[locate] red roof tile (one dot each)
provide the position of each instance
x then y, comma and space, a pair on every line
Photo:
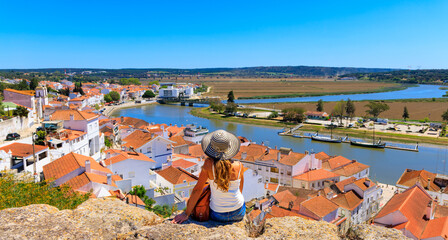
315, 175
176, 175
22, 149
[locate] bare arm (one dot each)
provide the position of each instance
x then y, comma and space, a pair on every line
197, 190
242, 178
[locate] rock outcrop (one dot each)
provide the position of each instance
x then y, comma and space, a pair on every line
112, 219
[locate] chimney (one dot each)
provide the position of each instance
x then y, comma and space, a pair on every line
275, 147
262, 143
290, 205
88, 168
109, 179
243, 155
152, 135
429, 183
367, 183
306, 152
170, 124
279, 156
72, 117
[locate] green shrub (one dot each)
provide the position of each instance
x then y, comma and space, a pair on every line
18, 193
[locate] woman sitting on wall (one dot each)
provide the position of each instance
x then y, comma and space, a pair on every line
225, 177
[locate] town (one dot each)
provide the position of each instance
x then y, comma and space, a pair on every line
63, 133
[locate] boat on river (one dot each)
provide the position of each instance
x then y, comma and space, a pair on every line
378, 144
326, 139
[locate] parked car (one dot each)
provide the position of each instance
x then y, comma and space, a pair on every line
12, 136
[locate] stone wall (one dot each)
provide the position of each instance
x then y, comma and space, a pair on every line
110, 218
12, 125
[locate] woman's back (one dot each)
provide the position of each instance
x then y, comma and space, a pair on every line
226, 201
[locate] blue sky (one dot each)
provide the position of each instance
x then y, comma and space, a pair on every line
196, 34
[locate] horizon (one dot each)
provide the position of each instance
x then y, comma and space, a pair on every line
179, 35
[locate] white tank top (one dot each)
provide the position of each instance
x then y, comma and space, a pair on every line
221, 201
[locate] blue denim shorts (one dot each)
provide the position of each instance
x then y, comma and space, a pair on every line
233, 216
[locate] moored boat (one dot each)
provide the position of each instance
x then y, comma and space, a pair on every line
326, 139
378, 144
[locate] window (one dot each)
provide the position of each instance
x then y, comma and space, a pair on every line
312, 185
289, 173
131, 174
259, 167
148, 150
274, 169
318, 184
260, 180
303, 185
274, 180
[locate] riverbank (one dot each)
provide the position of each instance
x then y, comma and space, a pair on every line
110, 109
418, 109
380, 90
353, 133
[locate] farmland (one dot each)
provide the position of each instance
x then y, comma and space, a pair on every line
418, 108
262, 88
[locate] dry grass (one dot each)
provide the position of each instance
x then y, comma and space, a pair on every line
417, 110
262, 88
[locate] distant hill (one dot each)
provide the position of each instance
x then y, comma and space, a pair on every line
281, 71
405, 76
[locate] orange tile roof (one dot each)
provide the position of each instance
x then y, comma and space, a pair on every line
178, 141
137, 139
68, 163
182, 163
284, 198
78, 115
78, 181
131, 121
68, 134
436, 228
322, 156
272, 187
175, 130
196, 151
410, 177
22, 149
253, 152
123, 155
351, 169
412, 203
320, 206
364, 183
176, 175
335, 162
280, 212
99, 178
315, 175
341, 185
348, 200
290, 159
24, 92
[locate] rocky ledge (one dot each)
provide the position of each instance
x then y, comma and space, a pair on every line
112, 219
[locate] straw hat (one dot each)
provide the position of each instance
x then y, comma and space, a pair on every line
220, 145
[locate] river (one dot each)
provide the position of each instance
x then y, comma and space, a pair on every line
422, 91
386, 165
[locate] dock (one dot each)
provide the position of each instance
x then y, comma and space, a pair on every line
347, 141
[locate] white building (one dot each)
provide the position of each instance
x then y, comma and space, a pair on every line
253, 187
175, 180
66, 141
130, 165
20, 156
85, 122
370, 193
157, 148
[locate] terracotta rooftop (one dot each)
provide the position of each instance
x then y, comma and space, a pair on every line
348, 200
271, 187
123, 155
22, 149
182, 163
68, 163
176, 175
137, 139
280, 212
351, 169
320, 206
322, 156
77, 115
340, 185
335, 163
196, 151
410, 177
175, 130
24, 92
131, 121
178, 141
412, 204
364, 183
436, 228
315, 175
284, 198
299, 192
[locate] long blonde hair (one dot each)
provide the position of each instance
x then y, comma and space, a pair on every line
222, 174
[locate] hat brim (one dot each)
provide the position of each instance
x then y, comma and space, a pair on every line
234, 147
